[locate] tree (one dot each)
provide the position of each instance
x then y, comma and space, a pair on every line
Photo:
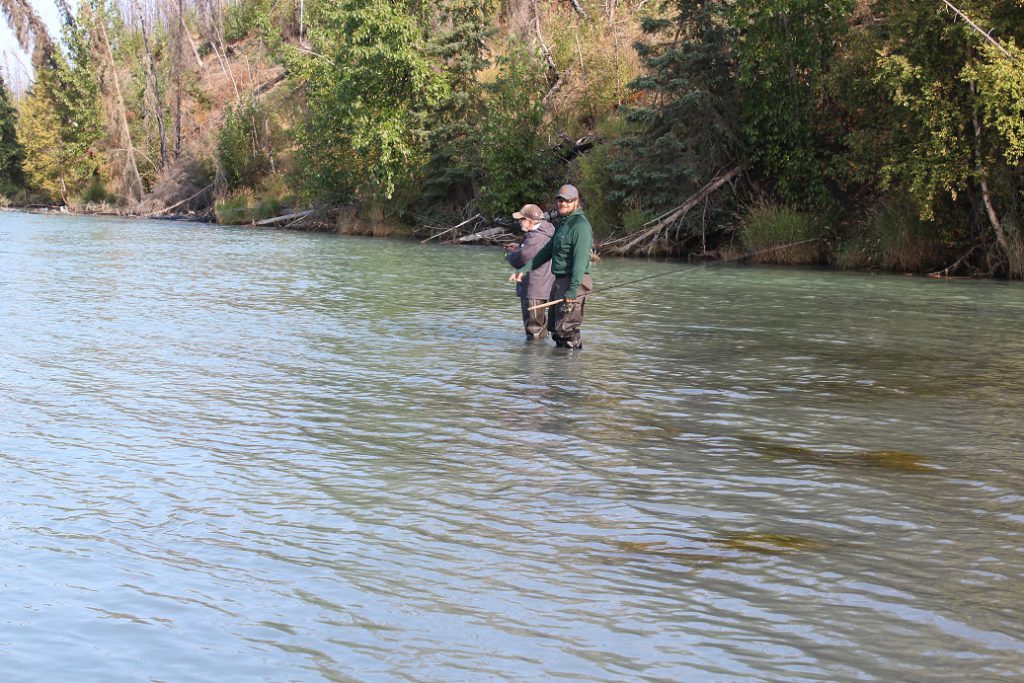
12, 155
512, 148
783, 49
39, 135
953, 106
684, 121
368, 85
458, 43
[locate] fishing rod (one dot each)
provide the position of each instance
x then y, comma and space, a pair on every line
741, 257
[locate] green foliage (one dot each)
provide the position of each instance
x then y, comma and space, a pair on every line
245, 18
238, 208
270, 20
783, 49
241, 145
458, 44
60, 123
894, 238
596, 179
96, 193
1000, 96
39, 136
511, 146
938, 74
767, 226
684, 123
269, 198
368, 87
12, 155
596, 69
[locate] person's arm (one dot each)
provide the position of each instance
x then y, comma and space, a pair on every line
582, 242
517, 258
539, 259
533, 242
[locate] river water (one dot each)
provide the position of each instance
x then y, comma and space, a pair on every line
240, 455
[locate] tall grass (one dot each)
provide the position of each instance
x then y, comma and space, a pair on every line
892, 238
766, 226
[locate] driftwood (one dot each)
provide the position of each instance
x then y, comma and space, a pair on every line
285, 218
652, 229
454, 229
490, 233
568, 149
174, 206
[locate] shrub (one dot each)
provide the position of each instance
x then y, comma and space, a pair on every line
240, 146
770, 227
893, 238
596, 181
512, 148
96, 193
245, 18
237, 208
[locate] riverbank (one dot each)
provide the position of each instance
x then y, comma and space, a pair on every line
766, 237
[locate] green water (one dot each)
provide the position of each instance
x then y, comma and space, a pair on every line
237, 455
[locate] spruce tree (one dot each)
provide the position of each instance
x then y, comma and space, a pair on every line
685, 119
12, 177
458, 44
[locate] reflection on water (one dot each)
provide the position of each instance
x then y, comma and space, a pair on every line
230, 454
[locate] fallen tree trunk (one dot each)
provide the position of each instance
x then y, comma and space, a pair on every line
454, 228
285, 218
651, 229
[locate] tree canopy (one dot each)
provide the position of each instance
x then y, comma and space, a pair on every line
893, 130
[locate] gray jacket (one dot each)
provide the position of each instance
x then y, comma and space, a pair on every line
537, 283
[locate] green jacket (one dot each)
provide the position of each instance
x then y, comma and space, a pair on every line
568, 251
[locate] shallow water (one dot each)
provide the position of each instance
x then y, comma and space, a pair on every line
238, 455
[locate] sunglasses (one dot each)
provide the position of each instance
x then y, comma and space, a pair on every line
563, 200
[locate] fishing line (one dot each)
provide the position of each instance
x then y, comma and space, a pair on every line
741, 257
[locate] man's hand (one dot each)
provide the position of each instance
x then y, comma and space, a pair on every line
515, 277
510, 246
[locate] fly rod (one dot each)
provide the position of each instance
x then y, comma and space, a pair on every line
741, 257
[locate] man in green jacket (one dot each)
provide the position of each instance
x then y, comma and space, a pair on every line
569, 253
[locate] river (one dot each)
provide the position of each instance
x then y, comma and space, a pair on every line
241, 455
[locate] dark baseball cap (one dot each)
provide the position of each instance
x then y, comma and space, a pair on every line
531, 211
568, 192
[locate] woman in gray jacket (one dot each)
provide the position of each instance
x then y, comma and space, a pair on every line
534, 287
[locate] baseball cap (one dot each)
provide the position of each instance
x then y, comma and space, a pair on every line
568, 192
531, 211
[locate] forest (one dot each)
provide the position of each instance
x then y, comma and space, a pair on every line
861, 134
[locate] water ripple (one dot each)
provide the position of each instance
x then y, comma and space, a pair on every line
254, 455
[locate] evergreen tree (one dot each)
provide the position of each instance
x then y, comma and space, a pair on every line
12, 155
685, 120
76, 95
39, 135
458, 43
60, 125
783, 50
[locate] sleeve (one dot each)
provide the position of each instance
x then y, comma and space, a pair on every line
540, 258
584, 239
530, 246
516, 258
